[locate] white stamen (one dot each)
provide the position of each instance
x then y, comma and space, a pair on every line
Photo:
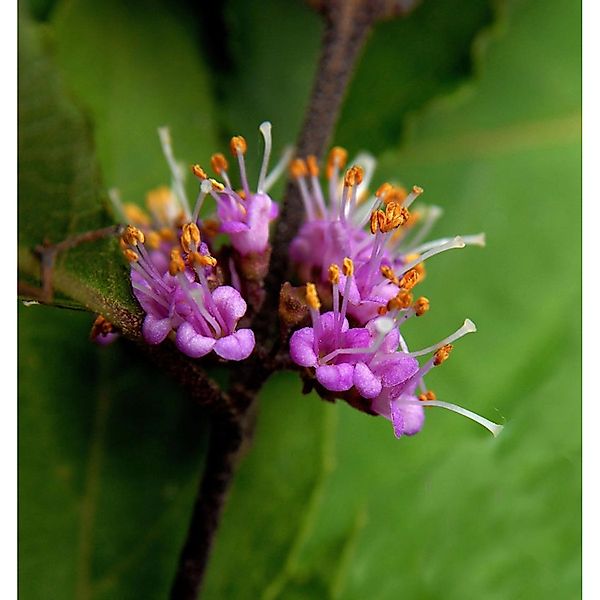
433, 213
411, 198
368, 163
117, 204
456, 242
265, 129
467, 327
306, 199
492, 427
279, 168
469, 240
176, 174
205, 188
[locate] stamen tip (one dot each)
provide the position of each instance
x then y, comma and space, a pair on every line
265, 128
459, 242
469, 326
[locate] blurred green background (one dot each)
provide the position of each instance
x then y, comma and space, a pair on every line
479, 103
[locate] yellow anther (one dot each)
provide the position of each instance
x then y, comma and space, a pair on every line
400, 302
241, 194
374, 224
421, 306
395, 216
383, 190
132, 236
429, 395
176, 264
298, 168
348, 267
419, 268
417, 190
396, 194
409, 280
389, 274
218, 163
158, 201
312, 298
354, 176
442, 355
190, 235
312, 165
337, 158
217, 185
199, 172
238, 145
167, 234
334, 274
153, 240
134, 214
195, 258
413, 219
130, 255
101, 326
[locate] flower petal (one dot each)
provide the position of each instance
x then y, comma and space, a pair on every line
366, 382
192, 343
337, 378
155, 330
407, 419
237, 346
397, 368
231, 305
302, 347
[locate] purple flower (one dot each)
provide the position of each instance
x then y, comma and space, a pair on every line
365, 358
335, 228
180, 299
244, 215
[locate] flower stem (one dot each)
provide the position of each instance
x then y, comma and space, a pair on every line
226, 442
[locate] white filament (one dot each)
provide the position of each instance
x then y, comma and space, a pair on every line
278, 169
167, 148
477, 239
265, 129
492, 427
433, 213
467, 327
456, 242
117, 204
411, 198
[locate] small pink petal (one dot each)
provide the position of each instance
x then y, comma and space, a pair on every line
302, 347
237, 346
337, 378
192, 343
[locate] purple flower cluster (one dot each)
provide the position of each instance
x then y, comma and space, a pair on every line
175, 278
363, 255
356, 347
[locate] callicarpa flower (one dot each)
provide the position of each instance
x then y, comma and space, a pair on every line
184, 292
357, 348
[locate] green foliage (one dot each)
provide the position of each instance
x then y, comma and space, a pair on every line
328, 504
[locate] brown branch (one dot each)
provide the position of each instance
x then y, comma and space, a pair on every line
228, 437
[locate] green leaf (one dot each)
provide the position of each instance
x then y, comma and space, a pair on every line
147, 72
274, 49
59, 187
108, 466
